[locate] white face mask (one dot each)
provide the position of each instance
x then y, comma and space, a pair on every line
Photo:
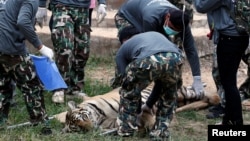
169, 31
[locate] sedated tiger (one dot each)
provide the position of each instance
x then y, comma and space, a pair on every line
101, 111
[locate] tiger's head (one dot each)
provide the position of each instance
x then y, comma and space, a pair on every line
77, 119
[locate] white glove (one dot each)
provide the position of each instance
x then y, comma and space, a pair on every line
41, 16
101, 13
48, 52
198, 87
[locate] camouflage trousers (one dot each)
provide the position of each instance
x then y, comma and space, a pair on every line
21, 70
244, 87
163, 67
71, 37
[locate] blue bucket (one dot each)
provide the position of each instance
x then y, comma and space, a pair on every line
48, 73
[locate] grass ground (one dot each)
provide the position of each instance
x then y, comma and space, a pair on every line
186, 126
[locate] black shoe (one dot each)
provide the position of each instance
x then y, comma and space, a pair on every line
215, 112
215, 108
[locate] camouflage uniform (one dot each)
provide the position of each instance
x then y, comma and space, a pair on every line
188, 7
121, 22
21, 70
71, 37
245, 86
164, 67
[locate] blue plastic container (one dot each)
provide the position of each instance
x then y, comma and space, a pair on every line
48, 73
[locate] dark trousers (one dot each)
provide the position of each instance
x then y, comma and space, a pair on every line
229, 53
90, 16
20, 69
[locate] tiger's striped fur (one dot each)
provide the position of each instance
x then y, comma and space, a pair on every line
101, 111
96, 112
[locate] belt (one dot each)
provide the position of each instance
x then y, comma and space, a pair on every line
226, 37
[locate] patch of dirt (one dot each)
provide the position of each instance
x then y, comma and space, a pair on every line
197, 129
104, 73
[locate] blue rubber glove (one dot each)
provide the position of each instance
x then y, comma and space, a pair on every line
198, 87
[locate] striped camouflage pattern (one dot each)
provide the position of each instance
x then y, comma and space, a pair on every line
71, 37
165, 67
245, 86
120, 23
22, 71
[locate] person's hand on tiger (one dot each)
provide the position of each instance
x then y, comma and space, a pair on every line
198, 87
41, 16
139, 121
144, 109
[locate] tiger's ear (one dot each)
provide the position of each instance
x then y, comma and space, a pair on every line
72, 105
